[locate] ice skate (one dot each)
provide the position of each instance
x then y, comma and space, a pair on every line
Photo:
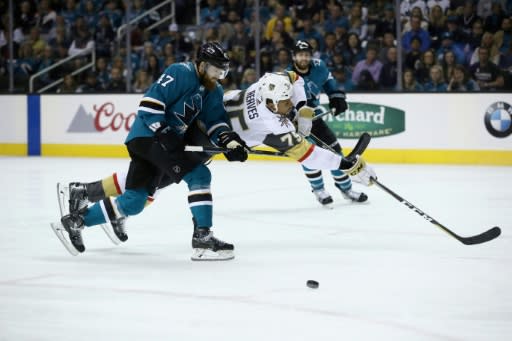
77, 197
205, 247
354, 196
69, 232
118, 226
323, 197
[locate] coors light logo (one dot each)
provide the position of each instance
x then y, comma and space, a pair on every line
103, 118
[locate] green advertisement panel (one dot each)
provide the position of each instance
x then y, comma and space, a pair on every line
375, 119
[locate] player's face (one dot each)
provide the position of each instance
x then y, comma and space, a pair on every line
208, 76
302, 60
284, 106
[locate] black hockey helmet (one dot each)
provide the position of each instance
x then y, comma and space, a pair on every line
214, 54
302, 46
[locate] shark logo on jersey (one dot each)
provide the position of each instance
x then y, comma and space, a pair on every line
190, 110
312, 90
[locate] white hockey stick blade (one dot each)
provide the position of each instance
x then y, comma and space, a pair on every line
209, 255
61, 233
107, 228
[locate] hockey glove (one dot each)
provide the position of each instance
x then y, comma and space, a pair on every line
337, 100
169, 140
305, 120
358, 170
233, 142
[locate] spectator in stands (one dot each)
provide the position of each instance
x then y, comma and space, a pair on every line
416, 12
387, 42
279, 16
385, 23
104, 37
413, 57
371, 64
90, 15
309, 9
69, 12
492, 23
448, 45
236, 6
442, 4
183, 47
248, 78
90, 85
457, 34
102, 71
489, 42
26, 64
117, 82
47, 59
142, 81
308, 32
388, 73
68, 85
266, 63
503, 37
448, 64
436, 82
469, 17
354, 52
343, 80
488, 76
154, 70
45, 17
460, 80
335, 19
83, 43
409, 82
473, 40
25, 17
436, 26
330, 47
416, 31
210, 15
357, 23
427, 60
38, 44
113, 13
283, 60
406, 7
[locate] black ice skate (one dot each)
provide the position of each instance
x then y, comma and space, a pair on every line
205, 247
77, 197
353, 195
118, 225
69, 232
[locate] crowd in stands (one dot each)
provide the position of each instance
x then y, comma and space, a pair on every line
463, 45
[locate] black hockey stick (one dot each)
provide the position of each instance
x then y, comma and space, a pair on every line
213, 149
359, 148
478, 239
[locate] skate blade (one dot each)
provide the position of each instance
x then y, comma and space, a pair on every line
109, 231
60, 233
63, 198
328, 206
209, 255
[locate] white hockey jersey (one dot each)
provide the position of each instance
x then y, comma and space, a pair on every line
257, 125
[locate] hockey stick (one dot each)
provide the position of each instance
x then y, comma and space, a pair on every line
358, 149
213, 149
323, 113
478, 239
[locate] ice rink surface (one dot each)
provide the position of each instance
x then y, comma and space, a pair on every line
384, 272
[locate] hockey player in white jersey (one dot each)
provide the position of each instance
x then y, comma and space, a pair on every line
272, 112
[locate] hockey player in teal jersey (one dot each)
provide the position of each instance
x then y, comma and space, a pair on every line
317, 79
185, 94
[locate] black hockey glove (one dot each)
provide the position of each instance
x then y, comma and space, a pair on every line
338, 102
169, 140
237, 147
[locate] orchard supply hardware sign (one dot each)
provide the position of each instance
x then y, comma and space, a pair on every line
377, 120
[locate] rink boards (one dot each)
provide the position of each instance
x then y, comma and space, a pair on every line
406, 128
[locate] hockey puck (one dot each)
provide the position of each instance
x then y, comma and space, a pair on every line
312, 284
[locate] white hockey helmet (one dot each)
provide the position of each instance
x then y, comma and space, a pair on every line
275, 86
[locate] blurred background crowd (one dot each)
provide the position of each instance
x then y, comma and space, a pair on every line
443, 45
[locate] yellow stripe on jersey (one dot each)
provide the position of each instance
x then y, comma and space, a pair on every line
293, 76
298, 151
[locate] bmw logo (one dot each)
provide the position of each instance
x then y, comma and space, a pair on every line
498, 119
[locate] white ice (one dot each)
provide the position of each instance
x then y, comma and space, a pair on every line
384, 272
